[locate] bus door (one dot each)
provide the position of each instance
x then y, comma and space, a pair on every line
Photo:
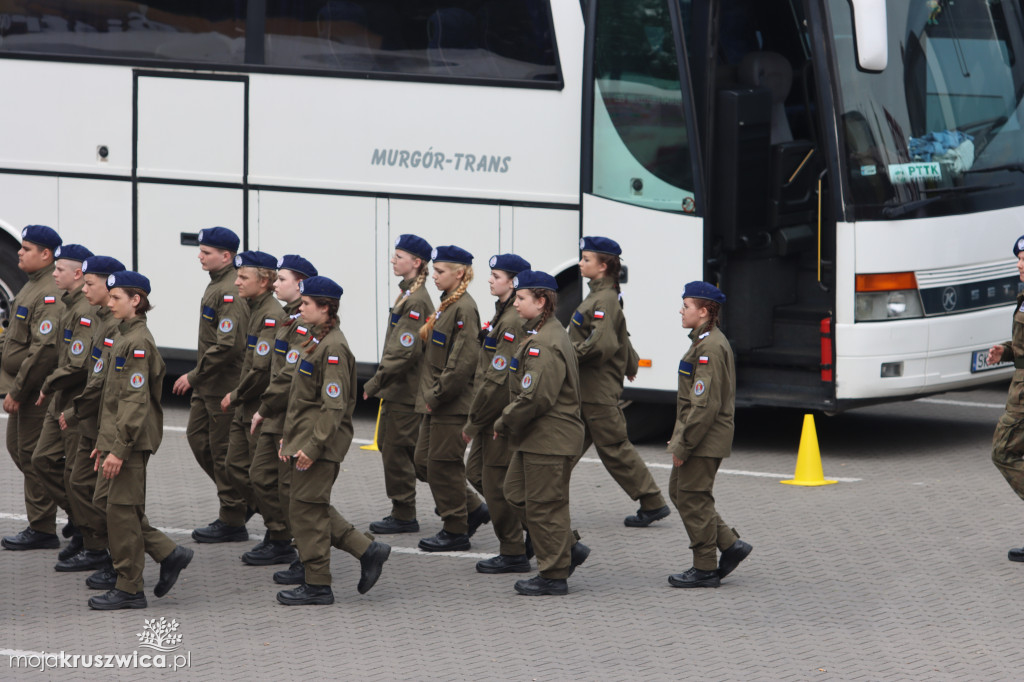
766, 240
638, 183
189, 172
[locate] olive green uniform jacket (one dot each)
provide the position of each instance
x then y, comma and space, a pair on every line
131, 417
83, 410
1013, 351
543, 416
707, 398
398, 374
266, 316
598, 334
321, 400
287, 350
449, 361
73, 365
491, 379
29, 347
223, 318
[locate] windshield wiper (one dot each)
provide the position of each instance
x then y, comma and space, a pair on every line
993, 169
962, 188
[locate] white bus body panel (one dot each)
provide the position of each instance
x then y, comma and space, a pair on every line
98, 215
936, 351
652, 297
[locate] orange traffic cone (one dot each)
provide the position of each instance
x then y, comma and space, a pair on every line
808, 458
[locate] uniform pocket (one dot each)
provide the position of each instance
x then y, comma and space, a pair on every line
129, 486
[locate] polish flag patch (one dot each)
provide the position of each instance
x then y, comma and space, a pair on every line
139, 354
85, 322
332, 359
703, 360
509, 336
269, 322
459, 324
108, 342
534, 352
300, 330
414, 315
228, 298
49, 299
598, 314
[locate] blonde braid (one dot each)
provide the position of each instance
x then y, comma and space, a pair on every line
421, 277
467, 277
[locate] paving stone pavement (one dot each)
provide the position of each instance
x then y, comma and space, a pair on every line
900, 575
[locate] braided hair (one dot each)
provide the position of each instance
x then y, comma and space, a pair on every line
550, 302
714, 309
613, 272
298, 277
447, 303
332, 320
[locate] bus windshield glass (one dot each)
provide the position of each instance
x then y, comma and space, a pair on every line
943, 121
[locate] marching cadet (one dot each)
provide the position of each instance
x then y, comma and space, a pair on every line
396, 383
256, 273
1008, 440
317, 435
445, 393
544, 430
131, 424
55, 450
27, 359
598, 333
702, 438
81, 415
489, 457
271, 476
222, 322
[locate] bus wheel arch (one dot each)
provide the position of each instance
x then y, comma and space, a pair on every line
12, 279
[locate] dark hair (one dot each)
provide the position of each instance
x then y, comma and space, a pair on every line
144, 305
614, 270
332, 318
550, 302
501, 308
714, 309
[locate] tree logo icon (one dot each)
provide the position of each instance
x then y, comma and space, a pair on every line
160, 634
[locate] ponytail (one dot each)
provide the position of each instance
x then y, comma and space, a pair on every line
613, 272
467, 277
421, 277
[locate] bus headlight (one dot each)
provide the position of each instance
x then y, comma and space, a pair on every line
887, 296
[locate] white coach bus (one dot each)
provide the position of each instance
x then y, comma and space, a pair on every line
851, 172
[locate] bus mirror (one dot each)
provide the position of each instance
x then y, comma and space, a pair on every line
871, 32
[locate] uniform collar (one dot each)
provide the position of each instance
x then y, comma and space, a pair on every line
530, 325
406, 284
601, 283
258, 301
46, 271
223, 273
293, 307
128, 325
103, 312
696, 332
70, 298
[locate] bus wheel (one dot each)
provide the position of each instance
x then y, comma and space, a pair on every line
649, 422
12, 279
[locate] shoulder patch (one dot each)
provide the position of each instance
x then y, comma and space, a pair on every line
98, 367
209, 313
332, 390
226, 325
292, 357
269, 322
108, 342
406, 339
500, 363
577, 318
685, 368
534, 352
45, 327
49, 299
306, 367
137, 380
527, 380
698, 387
438, 338
414, 314
139, 353
262, 348
332, 359
77, 347
228, 298
703, 360
21, 313
509, 336
598, 314
85, 322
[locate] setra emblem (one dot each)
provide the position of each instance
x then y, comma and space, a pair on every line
698, 387
137, 380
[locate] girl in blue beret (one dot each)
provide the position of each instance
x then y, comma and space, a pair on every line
396, 383
445, 393
598, 333
489, 457
703, 438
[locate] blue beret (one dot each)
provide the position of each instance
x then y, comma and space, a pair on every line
600, 245
128, 278
1018, 245
417, 246
219, 237
320, 286
509, 262
42, 235
704, 290
296, 264
534, 279
451, 254
255, 259
72, 252
102, 265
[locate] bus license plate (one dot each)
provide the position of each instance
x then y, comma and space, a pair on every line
979, 362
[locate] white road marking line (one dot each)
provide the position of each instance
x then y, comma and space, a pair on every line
458, 555
960, 403
734, 472
183, 429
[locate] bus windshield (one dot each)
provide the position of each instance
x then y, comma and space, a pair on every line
943, 121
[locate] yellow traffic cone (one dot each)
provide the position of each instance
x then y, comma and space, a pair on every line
376, 428
808, 458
